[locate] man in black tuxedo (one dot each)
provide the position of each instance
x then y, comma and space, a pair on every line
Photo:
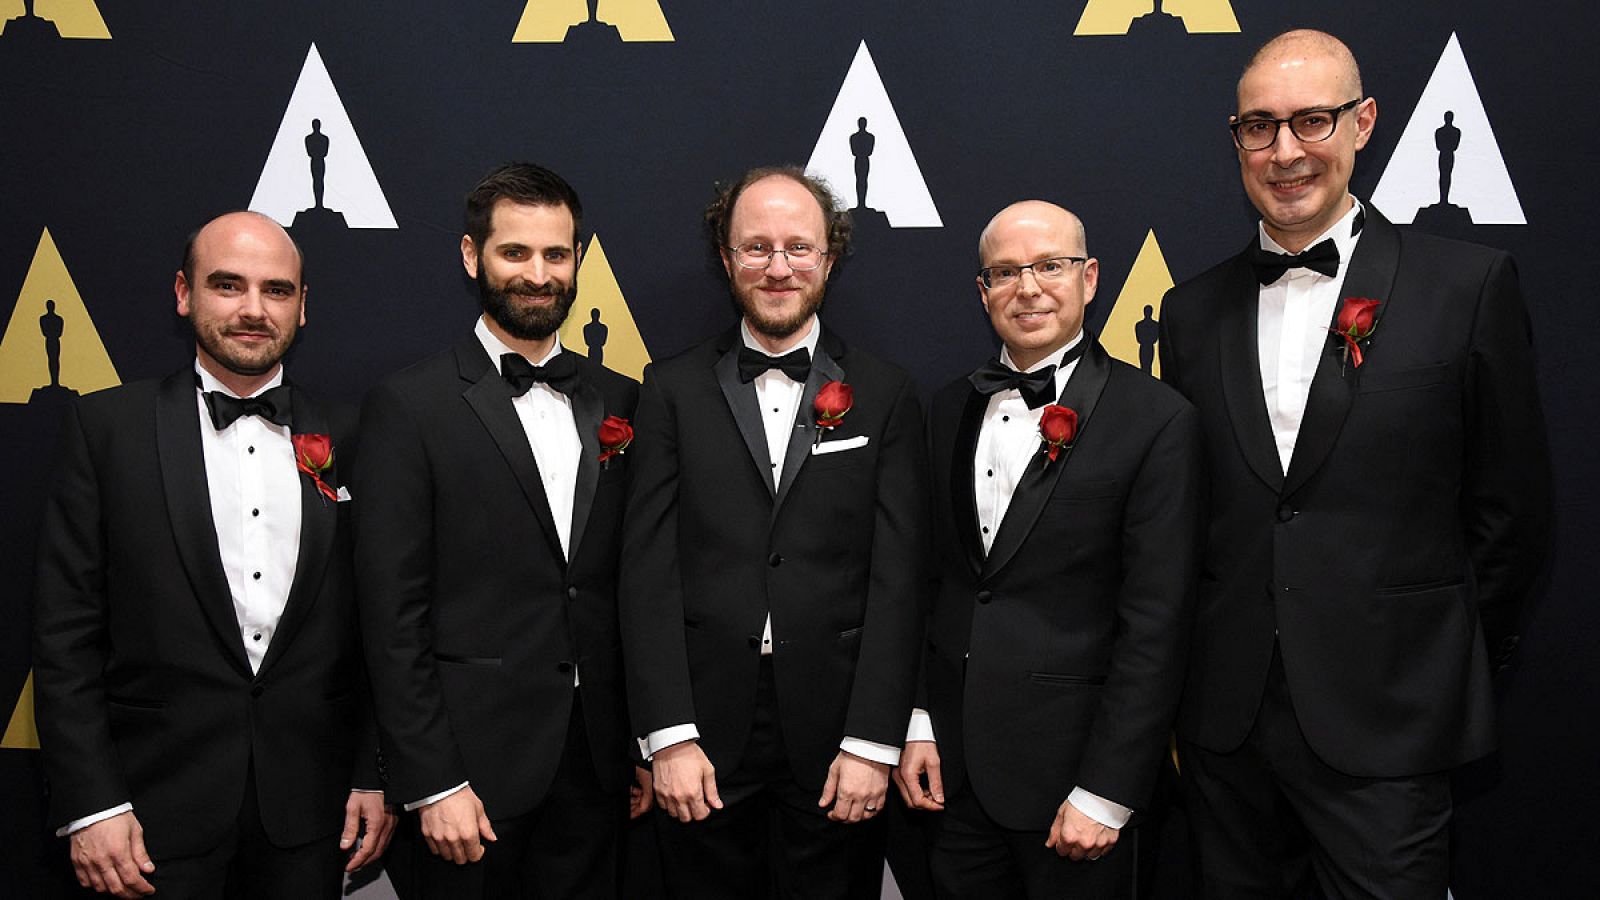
487, 550
201, 700
1060, 620
1379, 506
773, 568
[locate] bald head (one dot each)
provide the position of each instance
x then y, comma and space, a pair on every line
245, 224
1036, 215
1294, 49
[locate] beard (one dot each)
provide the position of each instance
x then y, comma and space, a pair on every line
778, 324
213, 338
525, 323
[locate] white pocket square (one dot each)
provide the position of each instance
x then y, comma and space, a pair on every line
343, 495
859, 440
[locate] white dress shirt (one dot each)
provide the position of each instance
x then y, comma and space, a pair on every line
1008, 439
1292, 332
254, 489
778, 397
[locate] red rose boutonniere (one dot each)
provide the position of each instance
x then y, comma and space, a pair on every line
833, 401
1057, 427
313, 455
615, 436
1357, 320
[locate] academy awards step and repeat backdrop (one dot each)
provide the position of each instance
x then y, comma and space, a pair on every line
361, 126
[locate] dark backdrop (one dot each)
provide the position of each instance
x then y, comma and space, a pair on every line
120, 146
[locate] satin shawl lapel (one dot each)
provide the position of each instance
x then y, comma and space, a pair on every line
962, 464
319, 518
490, 397
1371, 274
588, 408
742, 402
1081, 394
1239, 356
824, 368
183, 480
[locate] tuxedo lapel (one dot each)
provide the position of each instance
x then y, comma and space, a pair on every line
318, 522
741, 397
588, 408
962, 465
1370, 274
1081, 394
490, 397
183, 480
824, 368
1239, 355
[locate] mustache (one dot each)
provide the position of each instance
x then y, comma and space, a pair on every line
524, 289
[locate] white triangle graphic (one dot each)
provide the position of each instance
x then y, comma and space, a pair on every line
894, 183
351, 186
1479, 181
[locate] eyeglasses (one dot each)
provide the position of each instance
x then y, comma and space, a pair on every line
1311, 126
801, 257
1044, 270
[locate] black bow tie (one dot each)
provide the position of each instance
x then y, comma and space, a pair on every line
561, 373
273, 405
1038, 388
1323, 258
796, 364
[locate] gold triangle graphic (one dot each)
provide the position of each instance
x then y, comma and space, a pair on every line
21, 733
547, 21
72, 18
601, 316
1103, 17
24, 349
1126, 334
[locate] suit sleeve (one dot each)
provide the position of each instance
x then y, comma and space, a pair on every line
1506, 491
70, 640
1160, 539
366, 774
892, 629
393, 490
650, 585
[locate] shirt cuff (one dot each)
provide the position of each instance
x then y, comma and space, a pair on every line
434, 798
921, 727
661, 739
366, 790
878, 753
86, 821
1107, 813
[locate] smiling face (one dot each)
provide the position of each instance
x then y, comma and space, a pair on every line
526, 270
243, 296
778, 300
1034, 316
1302, 188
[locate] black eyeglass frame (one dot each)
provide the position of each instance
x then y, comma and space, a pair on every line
1236, 123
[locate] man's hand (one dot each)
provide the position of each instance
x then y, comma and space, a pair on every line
641, 795
856, 788
685, 782
1079, 837
454, 826
109, 856
919, 759
366, 807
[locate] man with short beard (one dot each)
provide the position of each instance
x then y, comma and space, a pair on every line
489, 532
201, 701
772, 569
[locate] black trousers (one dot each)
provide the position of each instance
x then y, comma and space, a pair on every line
248, 866
1272, 820
770, 839
568, 846
973, 856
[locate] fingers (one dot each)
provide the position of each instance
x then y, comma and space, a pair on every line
455, 826
110, 857
485, 828
900, 784
856, 787
935, 785
830, 787
352, 824
709, 790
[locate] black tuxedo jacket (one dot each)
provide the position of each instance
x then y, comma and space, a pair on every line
473, 618
836, 553
1056, 660
1412, 521
144, 692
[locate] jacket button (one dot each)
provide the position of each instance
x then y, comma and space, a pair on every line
563, 666
985, 596
775, 560
257, 691
755, 642
1286, 512
572, 593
